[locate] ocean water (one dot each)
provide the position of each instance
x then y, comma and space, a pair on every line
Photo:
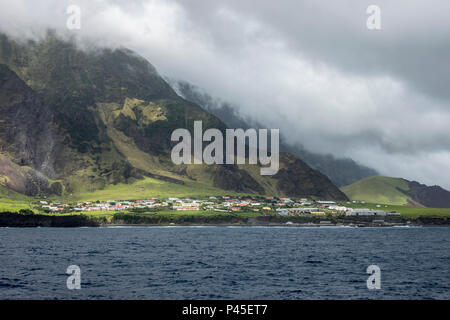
225, 262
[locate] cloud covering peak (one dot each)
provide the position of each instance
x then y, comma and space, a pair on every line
310, 68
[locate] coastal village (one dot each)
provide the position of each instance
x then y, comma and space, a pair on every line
265, 206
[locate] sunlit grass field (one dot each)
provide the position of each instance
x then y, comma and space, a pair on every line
13, 205
13, 201
148, 188
378, 190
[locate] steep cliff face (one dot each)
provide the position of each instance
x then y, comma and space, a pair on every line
27, 138
89, 119
26, 180
429, 196
27, 131
296, 177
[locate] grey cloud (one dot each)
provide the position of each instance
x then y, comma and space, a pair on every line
414, 43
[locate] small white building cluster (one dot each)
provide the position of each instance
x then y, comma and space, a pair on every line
265, 205
110, 205
369, 212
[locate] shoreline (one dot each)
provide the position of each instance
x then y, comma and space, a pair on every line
9, 219
112, 226
294, 225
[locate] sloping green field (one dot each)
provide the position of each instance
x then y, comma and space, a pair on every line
148, 188
383, 190
142, 189
13, 201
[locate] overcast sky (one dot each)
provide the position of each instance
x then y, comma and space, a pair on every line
311, 68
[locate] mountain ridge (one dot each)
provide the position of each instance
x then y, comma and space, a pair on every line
105, 117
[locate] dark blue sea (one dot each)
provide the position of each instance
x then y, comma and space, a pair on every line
225, 262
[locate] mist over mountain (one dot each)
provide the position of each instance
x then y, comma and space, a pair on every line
341, 171
80, 120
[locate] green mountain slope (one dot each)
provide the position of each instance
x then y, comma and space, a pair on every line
76, 122
397, 191
384, 190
